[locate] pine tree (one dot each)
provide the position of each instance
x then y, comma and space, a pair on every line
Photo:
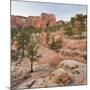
32, 52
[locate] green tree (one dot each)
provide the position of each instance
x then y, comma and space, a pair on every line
22, 41
14, 33
81, 29
32, 52
72, 21
68, 29
80, 17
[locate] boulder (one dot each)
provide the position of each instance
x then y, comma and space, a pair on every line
61, 76
58, 77
77, 69
49, 57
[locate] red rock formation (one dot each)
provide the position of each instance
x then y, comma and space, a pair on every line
47, 20
31, 21
17, 21
43, 21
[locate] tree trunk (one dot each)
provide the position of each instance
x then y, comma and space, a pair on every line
31, 66
23, 52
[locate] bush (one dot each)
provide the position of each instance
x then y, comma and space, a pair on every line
81, 29
68, 29
55, 44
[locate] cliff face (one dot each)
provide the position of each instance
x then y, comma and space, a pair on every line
47, 20
31, 21
17, 21
42, 21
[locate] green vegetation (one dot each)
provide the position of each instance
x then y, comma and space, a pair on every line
26, 46
22, 41
51, 29
75, 26
55, 44
68, 29
32, 52
81, 29
27, 43
80, 17
14, 33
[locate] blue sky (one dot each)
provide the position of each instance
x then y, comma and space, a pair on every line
61, 11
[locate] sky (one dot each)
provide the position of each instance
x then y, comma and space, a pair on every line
61, 11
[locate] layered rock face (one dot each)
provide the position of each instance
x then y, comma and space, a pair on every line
31, 21
43, 21
47, 20
17, 21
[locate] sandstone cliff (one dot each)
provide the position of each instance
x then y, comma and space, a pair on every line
42, 21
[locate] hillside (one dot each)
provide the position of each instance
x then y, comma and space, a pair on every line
46, 52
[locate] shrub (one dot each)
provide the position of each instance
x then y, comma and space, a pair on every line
55, 44
68, 29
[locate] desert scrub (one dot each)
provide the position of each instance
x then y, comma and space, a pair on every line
55, 44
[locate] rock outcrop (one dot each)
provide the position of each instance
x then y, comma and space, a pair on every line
47, 20
77, 70
49, 57
17, 21
69, 72
43, 21
31, 21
